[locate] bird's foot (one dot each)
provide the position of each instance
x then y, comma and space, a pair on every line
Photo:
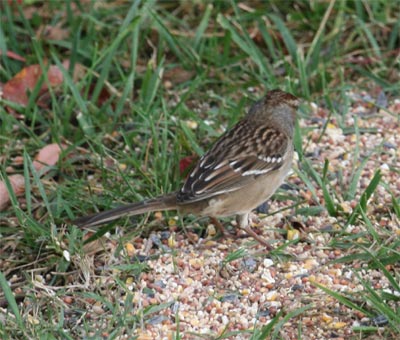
258, 238
249, 232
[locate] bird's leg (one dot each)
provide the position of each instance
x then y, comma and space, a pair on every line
220, 227
222, 232
243, 223
218, 224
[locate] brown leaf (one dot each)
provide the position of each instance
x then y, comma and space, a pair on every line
16, 89
52, 32
48, 156
13, 55
176, 75
18, 185
104, 95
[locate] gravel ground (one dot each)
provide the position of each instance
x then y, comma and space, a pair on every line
211, 295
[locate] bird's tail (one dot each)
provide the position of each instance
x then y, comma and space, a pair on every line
167, 202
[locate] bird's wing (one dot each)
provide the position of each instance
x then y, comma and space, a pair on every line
242, 154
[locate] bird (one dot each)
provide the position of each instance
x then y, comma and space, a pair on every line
241, 170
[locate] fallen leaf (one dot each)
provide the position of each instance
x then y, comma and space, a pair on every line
104, 95
177, 75
18, 185
16, 89
52, 32
13, 55
48, 156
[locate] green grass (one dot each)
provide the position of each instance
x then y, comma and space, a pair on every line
126, 130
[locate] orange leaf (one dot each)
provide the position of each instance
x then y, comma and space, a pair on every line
16, 89
48, 156
18, 186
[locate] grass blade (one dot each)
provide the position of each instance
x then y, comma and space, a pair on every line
286, 35
11, 301
370, 189
313, 51
202, 27
286, 318
365, 197
342, 299
151, 84
247, 46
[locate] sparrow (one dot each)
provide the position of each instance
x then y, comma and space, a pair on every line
241, 170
